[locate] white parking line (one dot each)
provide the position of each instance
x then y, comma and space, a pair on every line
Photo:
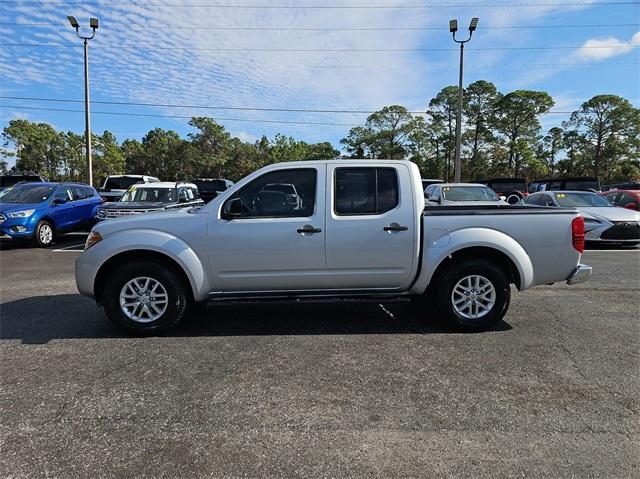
611, 251
68, 249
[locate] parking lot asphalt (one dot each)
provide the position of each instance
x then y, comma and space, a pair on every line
339, 389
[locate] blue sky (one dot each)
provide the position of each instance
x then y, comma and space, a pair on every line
148, 53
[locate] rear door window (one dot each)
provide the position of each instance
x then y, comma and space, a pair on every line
79, 193
625, 199
365, 191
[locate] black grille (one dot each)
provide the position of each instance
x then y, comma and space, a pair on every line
622, 231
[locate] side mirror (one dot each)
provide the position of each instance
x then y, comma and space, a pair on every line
631, 206
435, 200
233, 209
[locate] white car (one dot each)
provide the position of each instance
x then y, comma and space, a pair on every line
461, 194
603, 222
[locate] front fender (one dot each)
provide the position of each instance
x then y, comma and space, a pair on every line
89, 263
438, 245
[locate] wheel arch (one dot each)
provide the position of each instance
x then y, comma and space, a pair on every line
125, 257
481, 243
497, 257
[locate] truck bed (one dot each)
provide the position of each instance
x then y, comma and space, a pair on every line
542, 235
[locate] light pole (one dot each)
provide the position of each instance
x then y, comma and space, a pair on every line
93, 23
453, 28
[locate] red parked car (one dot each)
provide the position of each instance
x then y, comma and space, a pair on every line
624, 198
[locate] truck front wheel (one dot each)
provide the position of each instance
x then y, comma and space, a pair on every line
473, 295
145, 298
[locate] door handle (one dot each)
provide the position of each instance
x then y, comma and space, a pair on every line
395, 227
308, 229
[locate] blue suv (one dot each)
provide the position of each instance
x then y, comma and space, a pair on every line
39, 211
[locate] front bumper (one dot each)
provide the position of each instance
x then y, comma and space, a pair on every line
17, 227
618, 232
581, 274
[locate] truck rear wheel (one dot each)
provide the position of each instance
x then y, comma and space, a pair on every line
145, 298
473, 295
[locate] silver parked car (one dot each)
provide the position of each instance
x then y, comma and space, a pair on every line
461, 194
362, 230
603, 222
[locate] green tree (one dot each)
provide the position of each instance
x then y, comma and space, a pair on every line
210, 147
386, 134
38, 146
554, 143
74, 166
442, 110
107, 157
515, 118
480, 99
610, 128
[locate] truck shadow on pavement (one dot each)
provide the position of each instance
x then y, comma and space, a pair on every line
38, 320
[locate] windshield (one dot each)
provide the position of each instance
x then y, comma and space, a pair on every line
164, 195
121, 183
28, 194
581, 199
469, 193
282, 188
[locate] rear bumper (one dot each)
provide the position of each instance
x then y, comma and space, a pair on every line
581, 274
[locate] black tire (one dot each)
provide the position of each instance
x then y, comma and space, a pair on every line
470, 267
178, 300
513, 197
41, 239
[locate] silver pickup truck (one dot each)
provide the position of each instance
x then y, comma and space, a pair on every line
356, 228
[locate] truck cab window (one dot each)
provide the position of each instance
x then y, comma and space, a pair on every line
365, 191
279, 194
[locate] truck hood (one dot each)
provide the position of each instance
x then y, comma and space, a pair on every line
135, 205
613, 213
144, 221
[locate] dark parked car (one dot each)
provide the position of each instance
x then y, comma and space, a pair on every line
513, 189
631, 185
209, 188
584, 183
629, 199
40, 211
148, 197
14, 177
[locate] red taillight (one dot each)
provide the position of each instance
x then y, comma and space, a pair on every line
577, 233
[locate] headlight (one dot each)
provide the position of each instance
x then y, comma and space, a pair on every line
93, 238
20, 214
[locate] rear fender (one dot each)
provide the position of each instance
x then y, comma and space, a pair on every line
440, 244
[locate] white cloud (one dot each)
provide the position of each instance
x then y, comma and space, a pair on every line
597, 49
245, 137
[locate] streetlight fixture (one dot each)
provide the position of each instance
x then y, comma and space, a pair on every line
93, 23
453, 28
